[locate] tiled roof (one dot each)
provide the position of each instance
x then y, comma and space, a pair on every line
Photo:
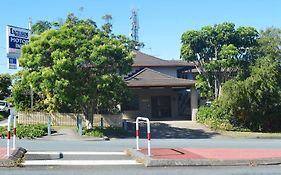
150, 78
144, 60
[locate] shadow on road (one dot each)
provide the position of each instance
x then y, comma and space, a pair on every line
165, 131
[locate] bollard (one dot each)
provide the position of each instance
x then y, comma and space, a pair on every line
79, 124
101, 123
148, 133
15, 131
9, 135
49, 125
125, 124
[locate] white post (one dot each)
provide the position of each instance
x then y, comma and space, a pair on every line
194, 103
137, 133
148, 138
15, 132
9, 135
148, 133
49, 125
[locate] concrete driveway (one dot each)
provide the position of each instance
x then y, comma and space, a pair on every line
176, 129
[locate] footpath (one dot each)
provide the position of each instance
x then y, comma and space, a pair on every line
206, 157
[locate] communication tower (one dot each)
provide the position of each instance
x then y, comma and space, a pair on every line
135, 25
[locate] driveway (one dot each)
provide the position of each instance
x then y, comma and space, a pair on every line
176, 129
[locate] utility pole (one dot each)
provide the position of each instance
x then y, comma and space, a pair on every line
31, 90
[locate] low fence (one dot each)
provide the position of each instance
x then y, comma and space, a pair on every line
67, 119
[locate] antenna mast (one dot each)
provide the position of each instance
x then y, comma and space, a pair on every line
135, 25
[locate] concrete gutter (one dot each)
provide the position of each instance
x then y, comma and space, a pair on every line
14, 159
150, 162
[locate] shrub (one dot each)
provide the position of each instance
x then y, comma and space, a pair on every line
251, 104
3, 115
214, 117
27, 131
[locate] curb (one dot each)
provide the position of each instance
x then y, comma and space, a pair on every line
14, 159
150, 162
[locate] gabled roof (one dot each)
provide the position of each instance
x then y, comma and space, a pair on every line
150, 78
144, 60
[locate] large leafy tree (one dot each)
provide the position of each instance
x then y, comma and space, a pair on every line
77, 66
5, 84
219, 52
254, 102
41, 26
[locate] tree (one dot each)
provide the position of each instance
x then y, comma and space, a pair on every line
219, 52
5, 84
107, 27
269, 43
40, 27
78, 66
254, 102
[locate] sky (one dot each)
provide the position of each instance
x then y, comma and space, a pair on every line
162, 22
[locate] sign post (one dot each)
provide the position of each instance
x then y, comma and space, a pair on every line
16, 37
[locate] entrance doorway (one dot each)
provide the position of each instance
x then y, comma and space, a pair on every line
161, 107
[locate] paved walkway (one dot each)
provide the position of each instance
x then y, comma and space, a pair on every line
217, 153
3, 153
176, 130
63, 134
4, 122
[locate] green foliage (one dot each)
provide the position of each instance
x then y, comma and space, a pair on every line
40, 27
201, 83
27, 131
215, 117
5, 83
3, 115
109, 132
252, 104
76, 67
31, 131
269, 43
107, 27
219, 52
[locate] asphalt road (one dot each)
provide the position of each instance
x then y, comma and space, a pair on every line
120, 145
140, 170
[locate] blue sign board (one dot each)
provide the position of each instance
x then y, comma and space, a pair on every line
12, 63
16, 37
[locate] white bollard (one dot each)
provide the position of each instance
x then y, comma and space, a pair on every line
15, 132
8, 135
148, 133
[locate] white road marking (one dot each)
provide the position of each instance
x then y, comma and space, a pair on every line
79, 162
78, 153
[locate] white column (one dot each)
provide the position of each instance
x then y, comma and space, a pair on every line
193, 103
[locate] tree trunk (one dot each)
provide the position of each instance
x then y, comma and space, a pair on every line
216, 88
89, 116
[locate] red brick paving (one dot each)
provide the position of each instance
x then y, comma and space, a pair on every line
3, 153
230, 154
216, 153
